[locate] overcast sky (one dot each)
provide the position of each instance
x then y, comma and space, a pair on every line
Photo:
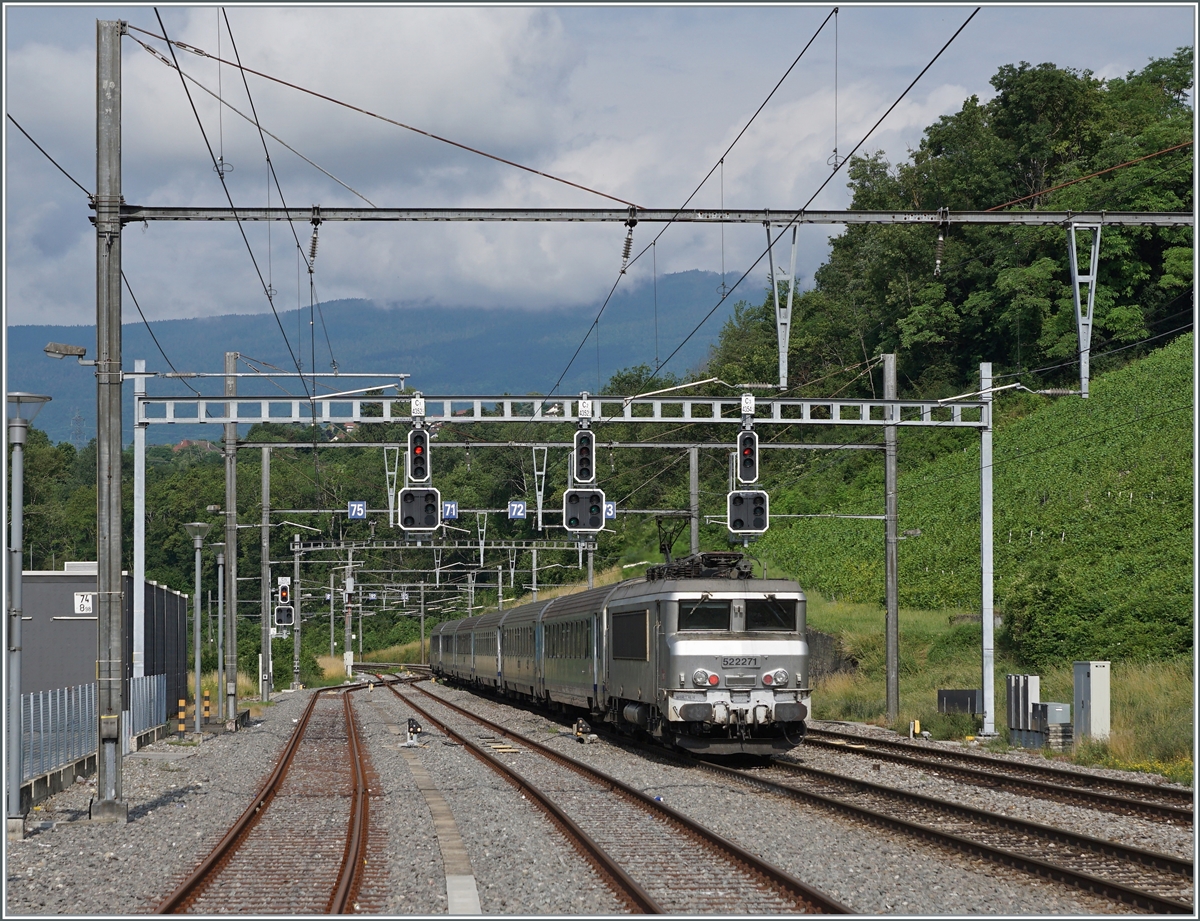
637, 102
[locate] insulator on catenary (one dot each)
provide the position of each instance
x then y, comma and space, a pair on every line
941, 248
628, 249
312, 248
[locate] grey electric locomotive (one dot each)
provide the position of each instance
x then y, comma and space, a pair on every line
697, 654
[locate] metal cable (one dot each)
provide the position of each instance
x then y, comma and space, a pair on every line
229, 197
720, 163
128, 287
384, 118
821, 188
50, 158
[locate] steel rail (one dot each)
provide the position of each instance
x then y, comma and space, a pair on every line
1113, 890
775, 217
624, 886
812, 898
1052, 774
1009, 775
216, 859
355, 855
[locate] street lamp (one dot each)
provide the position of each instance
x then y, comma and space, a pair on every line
22, 407
196, 531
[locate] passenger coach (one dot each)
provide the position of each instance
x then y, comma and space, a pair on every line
697, 654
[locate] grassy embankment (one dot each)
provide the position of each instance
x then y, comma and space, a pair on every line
1151, 707
1093, 555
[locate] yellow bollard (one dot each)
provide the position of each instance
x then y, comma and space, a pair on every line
182, 717
916, 727
206, 708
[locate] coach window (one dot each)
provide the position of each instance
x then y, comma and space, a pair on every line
703, 615
770, 615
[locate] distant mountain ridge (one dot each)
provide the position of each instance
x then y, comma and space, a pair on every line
446, 350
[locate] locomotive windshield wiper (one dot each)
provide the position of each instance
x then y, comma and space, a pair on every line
699, 601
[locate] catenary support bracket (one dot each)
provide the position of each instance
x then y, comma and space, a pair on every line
1083, 319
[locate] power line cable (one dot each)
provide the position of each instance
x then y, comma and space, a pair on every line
391, 121
1063, 185
154, 337
229, 197
159, 56
821, 188
50, 158
128, 287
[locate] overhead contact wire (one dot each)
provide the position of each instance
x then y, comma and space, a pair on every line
312, 395
229, 197
720, 163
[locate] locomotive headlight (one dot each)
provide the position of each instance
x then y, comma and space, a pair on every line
700, 678
779, 676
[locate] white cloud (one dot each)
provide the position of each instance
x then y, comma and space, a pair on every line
635, 102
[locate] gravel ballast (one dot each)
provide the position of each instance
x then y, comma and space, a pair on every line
183, 798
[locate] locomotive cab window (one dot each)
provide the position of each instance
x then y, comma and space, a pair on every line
769, 615
703, 615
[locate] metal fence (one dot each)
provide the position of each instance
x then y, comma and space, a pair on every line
147, 706
59, 726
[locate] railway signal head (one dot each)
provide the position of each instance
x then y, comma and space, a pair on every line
583, 510
585, 456
285, 615
747, 460
418, 456
285, 593
420, 509
748, 511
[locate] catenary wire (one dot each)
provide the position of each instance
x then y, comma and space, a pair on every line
384, 118
291, 224
229, 197
720, 163
821, 188
158, 55
125, 279
50, 158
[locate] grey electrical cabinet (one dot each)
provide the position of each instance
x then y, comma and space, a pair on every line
1092, 693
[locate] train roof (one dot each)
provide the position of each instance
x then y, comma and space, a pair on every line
595, 599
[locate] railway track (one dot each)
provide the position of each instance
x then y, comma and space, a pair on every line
300, 847
651, 854
1123, 797
1143, 879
